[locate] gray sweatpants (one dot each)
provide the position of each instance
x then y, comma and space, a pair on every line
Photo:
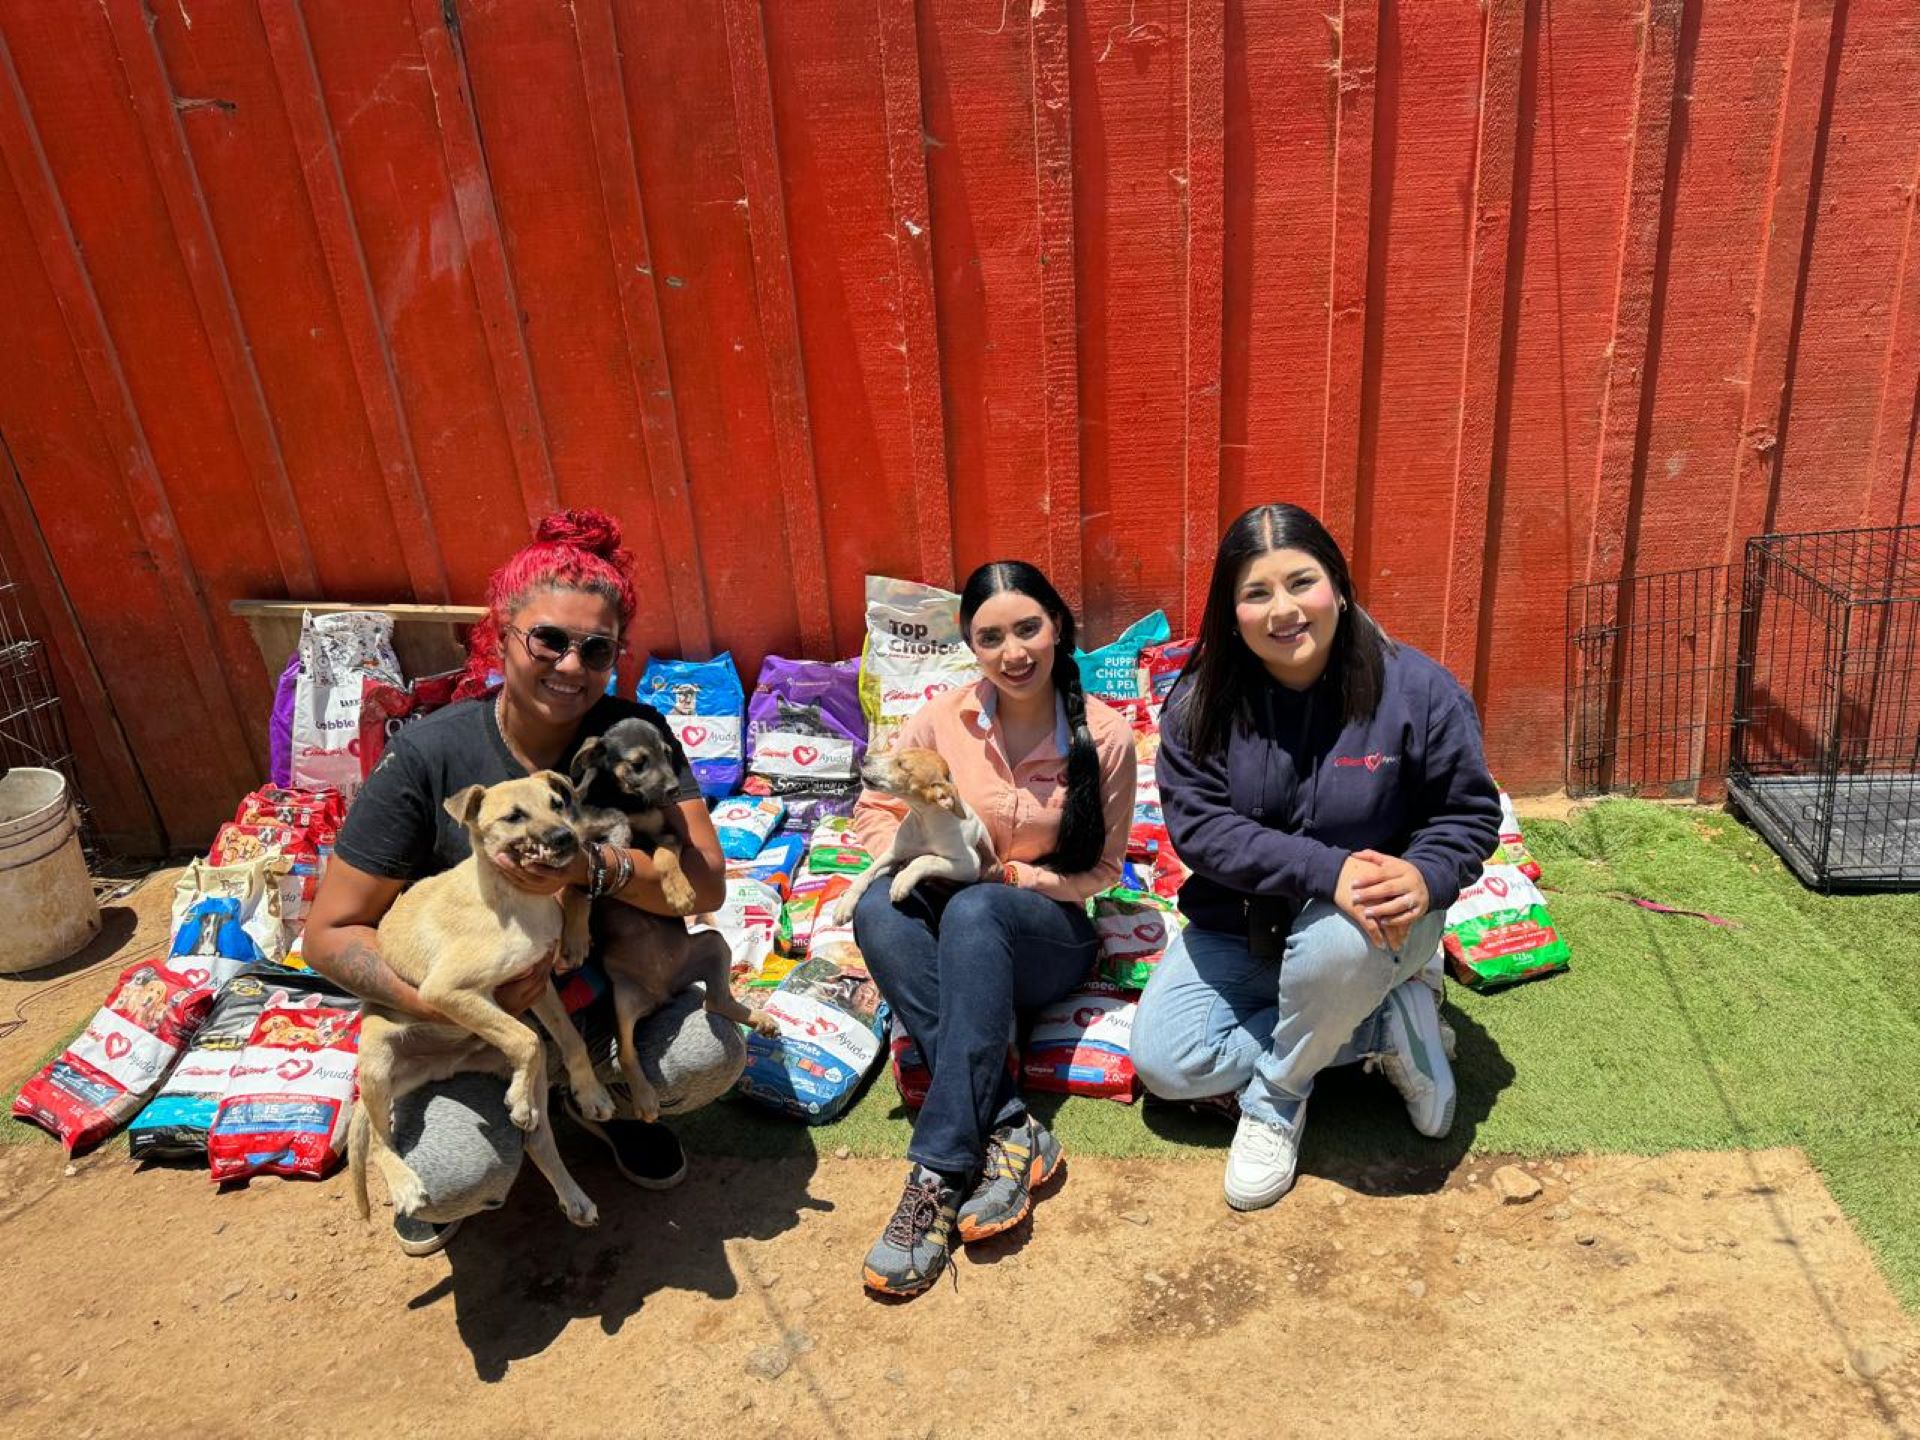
459, 1140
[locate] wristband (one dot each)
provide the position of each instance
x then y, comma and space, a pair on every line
1008, 875
596, 873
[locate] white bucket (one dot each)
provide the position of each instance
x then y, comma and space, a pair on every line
47, 909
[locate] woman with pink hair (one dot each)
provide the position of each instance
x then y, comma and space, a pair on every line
557, 618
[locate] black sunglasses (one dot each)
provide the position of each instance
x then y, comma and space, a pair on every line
551, 643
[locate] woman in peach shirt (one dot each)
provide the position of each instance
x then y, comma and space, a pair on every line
1050, 774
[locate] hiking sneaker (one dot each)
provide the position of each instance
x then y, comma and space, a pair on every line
422, 1237
1020, 1158
648, 1154
914, 1248
1415, 1059
1262, 1161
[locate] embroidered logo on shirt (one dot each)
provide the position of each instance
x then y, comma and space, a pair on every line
1368, 762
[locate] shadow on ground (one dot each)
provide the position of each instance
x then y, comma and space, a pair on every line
1357, 1130
520, 1275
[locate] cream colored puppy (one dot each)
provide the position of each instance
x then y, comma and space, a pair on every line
940, 838
455, 937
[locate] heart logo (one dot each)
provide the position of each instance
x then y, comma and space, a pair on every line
694, 736
805, 754
1373, 761
293, 1069
931, 691
1495, 885
117, 1046
1150, 930
196, 977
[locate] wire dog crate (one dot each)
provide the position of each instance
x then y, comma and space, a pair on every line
1824, 758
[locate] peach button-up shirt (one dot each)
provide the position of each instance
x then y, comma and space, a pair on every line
1021, 805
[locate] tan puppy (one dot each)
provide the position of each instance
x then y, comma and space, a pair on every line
457, 936
940, 838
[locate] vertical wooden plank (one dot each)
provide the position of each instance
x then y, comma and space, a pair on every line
154, 104
122, 811
626, 222
1890, 457
1853, 301
352, 286
1357, 171
1792, 192
106, 382
1486, 376
1658, 95
1059, 348
913, 269
1204, 260
436, 24
779, 324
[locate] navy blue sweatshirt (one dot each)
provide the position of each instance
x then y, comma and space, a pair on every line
1266, 825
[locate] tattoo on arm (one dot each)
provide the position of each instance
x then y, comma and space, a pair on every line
359, 967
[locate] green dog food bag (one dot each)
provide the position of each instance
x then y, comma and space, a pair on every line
1499, 932
1134, 929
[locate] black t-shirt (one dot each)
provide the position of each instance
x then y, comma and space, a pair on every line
399, 828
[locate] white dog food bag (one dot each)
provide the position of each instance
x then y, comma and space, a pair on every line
227, 916
338, 654
913, 652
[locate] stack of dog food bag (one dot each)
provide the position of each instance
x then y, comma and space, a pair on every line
226, 1048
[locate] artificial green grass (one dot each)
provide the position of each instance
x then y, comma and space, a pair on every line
1800, 1027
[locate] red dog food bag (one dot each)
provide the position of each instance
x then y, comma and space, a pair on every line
319, 811
1080, 1046
911, 1077
385, 708
289, 1095
99, 1082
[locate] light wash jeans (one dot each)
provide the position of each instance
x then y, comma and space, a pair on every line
1214, 1019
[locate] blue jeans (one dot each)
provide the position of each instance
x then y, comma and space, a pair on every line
1214, 1019
955, 965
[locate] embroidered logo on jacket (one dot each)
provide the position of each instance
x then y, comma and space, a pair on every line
1367, 762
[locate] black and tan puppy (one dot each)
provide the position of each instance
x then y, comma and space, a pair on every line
625, 780
457, 936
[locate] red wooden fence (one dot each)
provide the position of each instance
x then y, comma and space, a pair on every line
327, 300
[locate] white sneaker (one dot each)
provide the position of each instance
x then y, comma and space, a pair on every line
1261, 1163
1415, 1059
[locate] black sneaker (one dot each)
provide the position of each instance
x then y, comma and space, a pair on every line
422, 1237
648, 1154
1020, 1158
914, 1248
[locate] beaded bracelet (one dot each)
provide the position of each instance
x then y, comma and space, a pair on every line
596, 873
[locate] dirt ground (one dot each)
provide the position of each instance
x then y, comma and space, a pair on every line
1718, 1294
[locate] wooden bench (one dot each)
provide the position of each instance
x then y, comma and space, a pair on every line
429, 639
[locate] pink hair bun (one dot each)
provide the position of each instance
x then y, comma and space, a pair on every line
594, 531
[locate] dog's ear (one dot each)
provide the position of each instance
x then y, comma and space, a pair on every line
944, 795
464, 806
560, 784
585, 758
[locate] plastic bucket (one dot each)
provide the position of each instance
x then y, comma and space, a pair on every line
47, 909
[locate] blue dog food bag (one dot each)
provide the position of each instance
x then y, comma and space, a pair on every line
831, 1021
744, 823
704, 703
1113, 671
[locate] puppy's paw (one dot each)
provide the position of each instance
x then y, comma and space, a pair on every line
677, 891
580, 1210
573, 954
408, 1194
594, 1102
764, 1024
900, 889
647, 1106
521, 1108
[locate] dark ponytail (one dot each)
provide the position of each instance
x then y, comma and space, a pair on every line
1083, 827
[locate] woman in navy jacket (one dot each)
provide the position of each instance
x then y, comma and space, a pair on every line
1327, 788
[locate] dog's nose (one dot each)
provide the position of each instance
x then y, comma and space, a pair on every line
558, 838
